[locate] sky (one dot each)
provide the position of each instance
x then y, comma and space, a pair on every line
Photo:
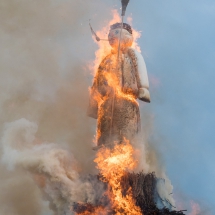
46, 50
178, 46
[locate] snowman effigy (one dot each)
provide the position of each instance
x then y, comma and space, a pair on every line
120, 80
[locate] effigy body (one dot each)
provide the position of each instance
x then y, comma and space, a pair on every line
120, 80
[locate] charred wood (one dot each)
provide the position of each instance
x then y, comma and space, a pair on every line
143, 187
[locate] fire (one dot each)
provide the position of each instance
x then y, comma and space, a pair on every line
104, 47
113, 164
113, 83
95, 211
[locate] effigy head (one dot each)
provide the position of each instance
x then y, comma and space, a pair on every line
126, 35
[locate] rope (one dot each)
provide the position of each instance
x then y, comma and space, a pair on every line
117, 66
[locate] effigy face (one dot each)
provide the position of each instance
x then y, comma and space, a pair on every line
114, 36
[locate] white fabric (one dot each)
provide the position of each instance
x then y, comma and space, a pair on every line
141, 67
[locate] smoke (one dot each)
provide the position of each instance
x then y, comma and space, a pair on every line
44, 75
19, 194
44, 78
198, 209
195, 209
53, 167
149, 160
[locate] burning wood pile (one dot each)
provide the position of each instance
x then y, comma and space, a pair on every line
120, 190
144, 193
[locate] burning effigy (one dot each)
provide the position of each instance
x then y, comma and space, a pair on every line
120, 80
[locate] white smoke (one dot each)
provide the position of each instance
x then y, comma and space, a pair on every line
55, 165
149, 161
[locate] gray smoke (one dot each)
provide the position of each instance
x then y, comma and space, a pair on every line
44, 68
52, 166
46, 47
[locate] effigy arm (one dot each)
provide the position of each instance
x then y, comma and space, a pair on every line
141, 75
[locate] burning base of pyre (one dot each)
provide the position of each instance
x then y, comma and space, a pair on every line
124, 192
117, 189
120, 79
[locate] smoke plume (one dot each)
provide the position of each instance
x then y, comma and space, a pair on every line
44, 79
46, 139
53, 167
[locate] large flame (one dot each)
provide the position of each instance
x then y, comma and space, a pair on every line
113, 164
104, 47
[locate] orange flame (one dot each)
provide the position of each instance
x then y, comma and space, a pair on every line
96, 211
112, 165
136, 35
104, 47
